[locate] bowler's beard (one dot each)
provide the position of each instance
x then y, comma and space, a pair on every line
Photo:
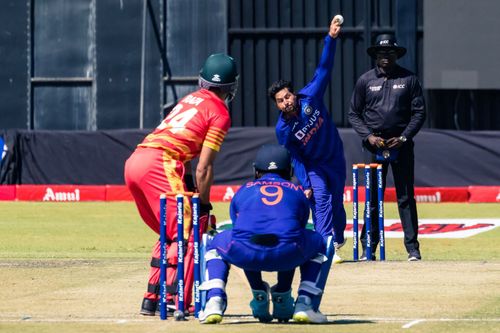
291, 109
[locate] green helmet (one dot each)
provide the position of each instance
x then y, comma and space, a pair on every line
219, 71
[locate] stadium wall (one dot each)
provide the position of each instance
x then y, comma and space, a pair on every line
442, 157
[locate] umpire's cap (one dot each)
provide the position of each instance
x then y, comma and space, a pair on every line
386, 42
272, 158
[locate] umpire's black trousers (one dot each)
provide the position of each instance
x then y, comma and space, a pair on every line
403, 169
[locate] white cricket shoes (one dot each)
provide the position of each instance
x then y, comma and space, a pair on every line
305, 314
213, 311
337, 259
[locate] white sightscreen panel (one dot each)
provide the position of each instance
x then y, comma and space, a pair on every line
461, 44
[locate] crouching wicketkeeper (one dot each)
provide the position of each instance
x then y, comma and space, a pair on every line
269, 217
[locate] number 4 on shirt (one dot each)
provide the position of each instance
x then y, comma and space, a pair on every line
176, 121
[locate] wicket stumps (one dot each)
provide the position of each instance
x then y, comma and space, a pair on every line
163, 257
196, 254
367, 214
180, 254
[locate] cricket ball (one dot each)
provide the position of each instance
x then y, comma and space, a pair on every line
178, 315
339, 18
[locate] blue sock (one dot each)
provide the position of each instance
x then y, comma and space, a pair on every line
285, 279
255, 280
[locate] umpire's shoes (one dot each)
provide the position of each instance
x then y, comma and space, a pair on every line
213, 311
304, 313
414, 255
364, 258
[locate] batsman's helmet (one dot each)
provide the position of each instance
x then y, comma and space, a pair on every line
219, 71
273, 158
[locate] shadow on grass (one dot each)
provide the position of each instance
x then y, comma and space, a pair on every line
248, 319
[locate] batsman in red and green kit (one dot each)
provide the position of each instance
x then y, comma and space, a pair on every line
161, 164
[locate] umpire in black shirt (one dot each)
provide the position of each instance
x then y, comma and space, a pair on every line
387, 110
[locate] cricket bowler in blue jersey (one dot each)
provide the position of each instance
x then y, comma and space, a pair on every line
269, 217
306, 129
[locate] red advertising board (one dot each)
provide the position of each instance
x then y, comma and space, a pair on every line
484, 193
7, 192
61, 193
422, 194
224, 193
118, 193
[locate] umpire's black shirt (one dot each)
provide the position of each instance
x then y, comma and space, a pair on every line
387, 105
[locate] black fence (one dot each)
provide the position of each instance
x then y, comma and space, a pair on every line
99, 65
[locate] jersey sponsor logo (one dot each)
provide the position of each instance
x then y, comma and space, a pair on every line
399, 86
313, 124
375, 88
299, 135
313, 131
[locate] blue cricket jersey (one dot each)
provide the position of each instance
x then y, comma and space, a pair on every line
269, 205
311, 137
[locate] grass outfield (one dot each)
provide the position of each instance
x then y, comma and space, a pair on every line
82, 267
115, 230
